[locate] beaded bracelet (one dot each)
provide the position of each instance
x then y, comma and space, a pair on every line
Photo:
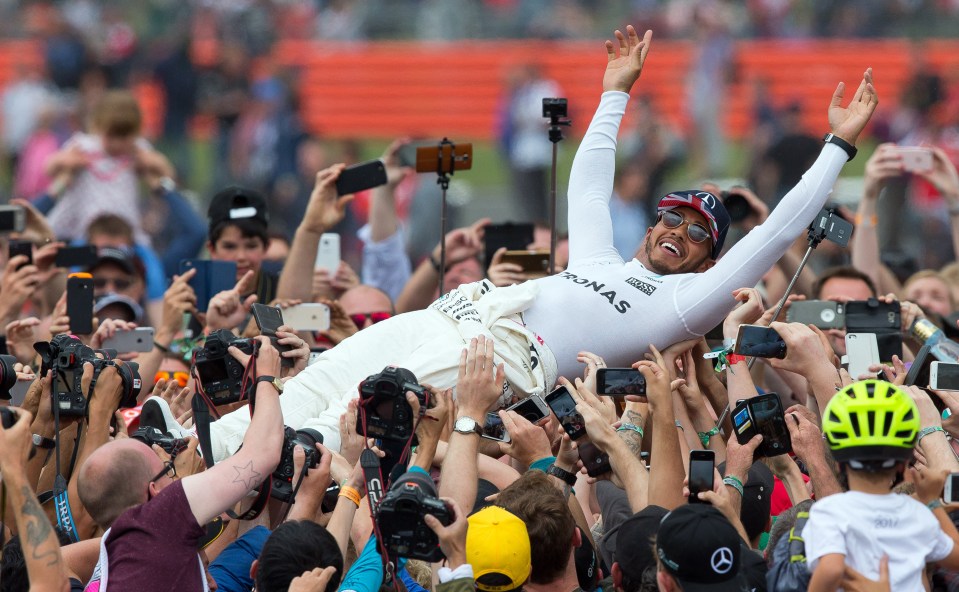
735, 483
926, 431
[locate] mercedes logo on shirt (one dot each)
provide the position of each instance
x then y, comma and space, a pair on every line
722, 560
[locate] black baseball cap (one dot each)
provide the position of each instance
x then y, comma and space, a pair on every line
634, 541
237, 203
701, 549
757, 498
122, 258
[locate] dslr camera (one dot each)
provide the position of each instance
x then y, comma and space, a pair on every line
383, 396
282, 477
65, 356
8, 376
170, 445
400, 517
221, 375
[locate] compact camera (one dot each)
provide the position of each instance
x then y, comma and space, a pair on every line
282, 478
221, 375
65, 356
387, 415
169, 444
401, 513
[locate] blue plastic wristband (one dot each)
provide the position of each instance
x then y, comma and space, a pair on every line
542, 464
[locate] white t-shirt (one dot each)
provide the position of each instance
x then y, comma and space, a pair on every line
864, 527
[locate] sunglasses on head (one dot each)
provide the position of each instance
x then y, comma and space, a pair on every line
374, 317
181, 378
695, 231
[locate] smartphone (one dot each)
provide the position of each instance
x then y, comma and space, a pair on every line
862, 351
564, 407
20, 247
883, 319
212, 277
535, 264
760, 342
620, 381
595, 460
514, 237
136, 340
308, 317
84, 256
824, 314
532, 408
80, 303
269, 319
944, 376
495, 429
315, 355
702, 464
361, 177
921, 369
950, 490
445, 158
12, 218
764, 415
328, 253
915, 159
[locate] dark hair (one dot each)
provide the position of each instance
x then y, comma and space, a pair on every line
111, 225
548, 520
248, 228
646, 583
13, 568
842, 272
293, 548
784, 522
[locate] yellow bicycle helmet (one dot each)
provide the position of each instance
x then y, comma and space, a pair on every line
873, 422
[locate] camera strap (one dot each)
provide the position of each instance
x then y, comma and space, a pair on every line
59, 494
201, 418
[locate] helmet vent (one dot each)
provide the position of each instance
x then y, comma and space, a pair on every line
871, 421
908, 416
887, 424
854, 420
903, 434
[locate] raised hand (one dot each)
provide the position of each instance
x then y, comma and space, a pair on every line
848, 122
325, 208
884, 164
623, 68
395, 171
943, 175
228, 308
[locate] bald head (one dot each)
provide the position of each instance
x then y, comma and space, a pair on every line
115, 478
364, 300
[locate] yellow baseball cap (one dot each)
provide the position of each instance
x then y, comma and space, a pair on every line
497, 546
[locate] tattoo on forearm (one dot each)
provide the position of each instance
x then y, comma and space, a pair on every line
247, 475
632, 439
39, 532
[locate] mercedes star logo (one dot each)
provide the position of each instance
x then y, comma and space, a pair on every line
722, 560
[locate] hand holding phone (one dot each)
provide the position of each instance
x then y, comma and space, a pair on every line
702, 465
862, 351
80, 303
269, 319
564, 407
618, 382
764, 415
760, 342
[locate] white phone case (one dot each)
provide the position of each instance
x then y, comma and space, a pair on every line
937, 383
862, 351
328, 252
137, 340
307, 317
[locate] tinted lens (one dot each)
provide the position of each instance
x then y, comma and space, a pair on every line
672, 219
358, 319
697, 233
376, 317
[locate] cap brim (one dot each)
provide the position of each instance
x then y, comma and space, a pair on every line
736, 584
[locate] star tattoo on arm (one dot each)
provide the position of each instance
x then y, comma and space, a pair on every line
247, 476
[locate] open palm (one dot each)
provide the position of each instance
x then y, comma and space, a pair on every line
623, 70
848, 122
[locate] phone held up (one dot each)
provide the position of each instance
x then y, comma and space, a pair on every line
702, 464
762, 414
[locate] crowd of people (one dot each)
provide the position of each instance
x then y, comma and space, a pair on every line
358, 457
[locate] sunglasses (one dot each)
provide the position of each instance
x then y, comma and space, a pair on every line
374, 317
181, 378
119, 283
695, 231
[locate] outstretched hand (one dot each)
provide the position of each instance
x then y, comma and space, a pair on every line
623, 70
848, 122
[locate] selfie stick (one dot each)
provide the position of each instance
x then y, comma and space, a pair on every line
445, 167
818, 232
556, 123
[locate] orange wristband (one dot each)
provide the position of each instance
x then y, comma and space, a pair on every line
873, 220
350, 493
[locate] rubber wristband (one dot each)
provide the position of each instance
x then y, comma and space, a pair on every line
848, 148
934, 504
705, 436
351, 494
735, 483
435, 264
162, 348
680, 426
873, 220
928, 430
733, 359
631, 427
542, 464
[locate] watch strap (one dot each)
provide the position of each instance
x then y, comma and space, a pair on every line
848, 148
269, 379
477, 426
561, 474
44, 443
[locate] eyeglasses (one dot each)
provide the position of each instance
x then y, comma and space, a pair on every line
181, 378
119, 283
374, 317
696, 232
168, 467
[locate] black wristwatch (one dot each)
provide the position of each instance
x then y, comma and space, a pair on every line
44, 443
848, 148
273, 380
561, 474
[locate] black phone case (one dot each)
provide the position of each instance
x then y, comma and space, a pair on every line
360, 177
18, 247
766, 448
515, 237
596, 462
84, 257
268, 323
80, 305
872, 316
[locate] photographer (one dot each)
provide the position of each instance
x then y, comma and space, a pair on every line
41, 549
128, 490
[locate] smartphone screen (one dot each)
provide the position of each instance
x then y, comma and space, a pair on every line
80, 303
494, 428
21, 247
595, 460
760, 342
620, 381
84, 256
532, 408
769, 418
944, 376
564, 407
360, 177
701, 465
950, 492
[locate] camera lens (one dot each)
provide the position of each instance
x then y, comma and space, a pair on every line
8, 376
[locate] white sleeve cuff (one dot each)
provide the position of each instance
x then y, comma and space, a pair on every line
463, 571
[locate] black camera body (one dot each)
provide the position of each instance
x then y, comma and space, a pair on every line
7, 417
555, 108
282, 478
8, 376
221, 375
387, 413
170, 445
400, 518
65, 356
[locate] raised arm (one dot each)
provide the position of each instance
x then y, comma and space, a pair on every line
945, 178
385, 262
884, 164
591, 178
214, 491
702, 299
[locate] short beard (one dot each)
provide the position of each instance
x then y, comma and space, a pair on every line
688, 267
